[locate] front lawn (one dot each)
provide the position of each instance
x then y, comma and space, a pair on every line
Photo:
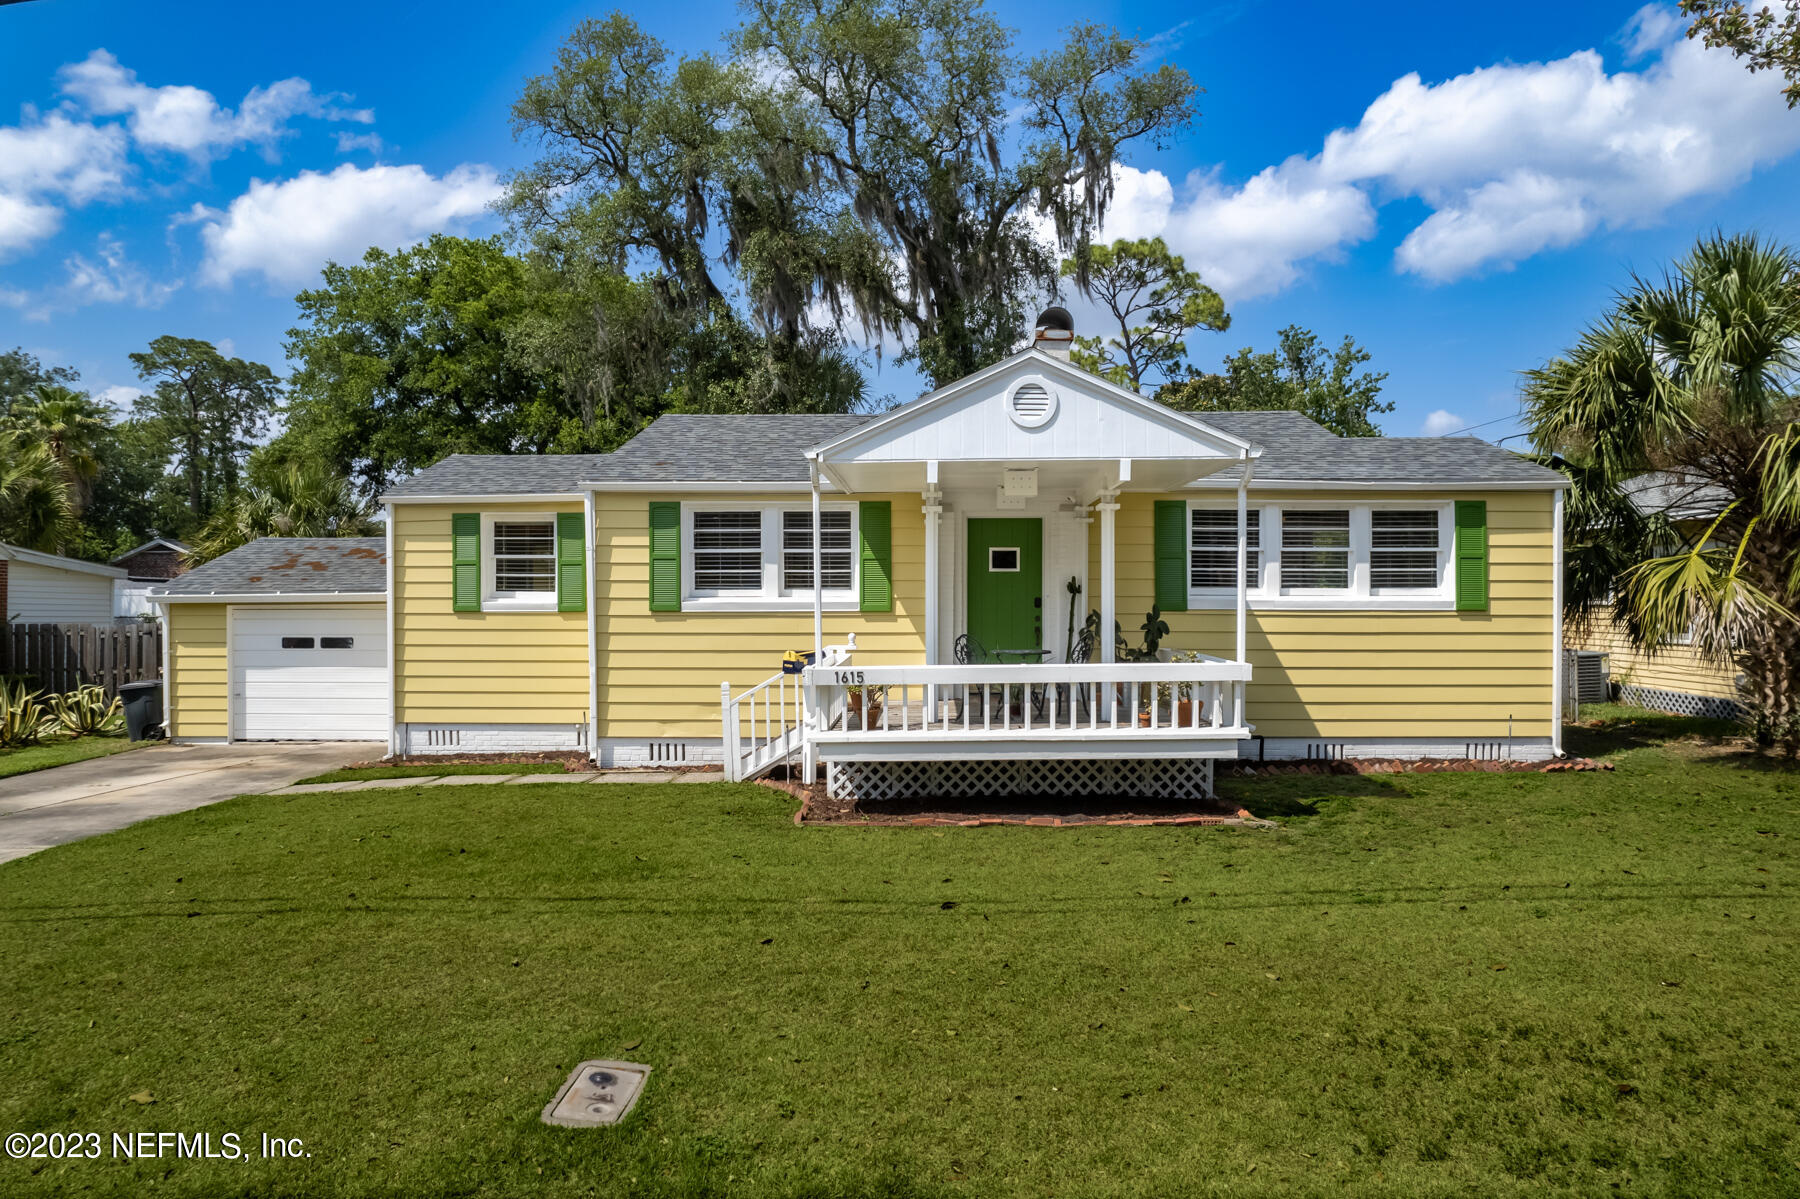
60, 751
1484, 984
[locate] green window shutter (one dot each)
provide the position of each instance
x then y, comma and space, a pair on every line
1171, 555
665, 556
571, 563
465, 562
875, 519
1471, 556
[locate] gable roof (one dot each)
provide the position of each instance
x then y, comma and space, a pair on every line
1192, 432
155, 543
19, 553
280, 566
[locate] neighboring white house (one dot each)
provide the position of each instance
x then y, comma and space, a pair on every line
151, 564
40, 588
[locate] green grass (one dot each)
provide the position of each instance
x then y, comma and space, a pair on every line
1477, 984
353, 773
60, 751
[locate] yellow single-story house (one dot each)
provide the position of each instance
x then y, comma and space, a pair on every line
1675, 677
1325, 597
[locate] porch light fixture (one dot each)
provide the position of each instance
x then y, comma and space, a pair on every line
1021, 483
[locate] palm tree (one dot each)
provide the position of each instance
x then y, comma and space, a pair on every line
295, 500
72, 426
1697, 373
35, 508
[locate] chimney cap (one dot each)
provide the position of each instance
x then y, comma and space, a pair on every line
1055, 319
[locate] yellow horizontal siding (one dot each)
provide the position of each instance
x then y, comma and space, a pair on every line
198, 690
1379, 674
660, 671
1672, 668
477, 667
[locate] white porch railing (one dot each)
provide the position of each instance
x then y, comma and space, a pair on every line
765, 725
1148, 701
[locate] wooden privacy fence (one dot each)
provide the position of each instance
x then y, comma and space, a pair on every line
62, 657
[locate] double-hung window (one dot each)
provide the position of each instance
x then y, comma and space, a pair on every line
761, 557
836, 557
520, 566
1322, 555
1403, 550
1212, 562
728, 552
1315, 549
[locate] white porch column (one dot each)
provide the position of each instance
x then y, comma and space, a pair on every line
1243, 587
1109, 607
817, 573
933, 510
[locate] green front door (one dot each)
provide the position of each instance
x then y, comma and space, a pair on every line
1006, 583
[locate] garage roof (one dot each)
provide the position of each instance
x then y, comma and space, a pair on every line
288, 566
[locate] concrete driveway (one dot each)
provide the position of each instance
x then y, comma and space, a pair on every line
67, 803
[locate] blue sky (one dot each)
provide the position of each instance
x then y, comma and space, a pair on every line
1460, 189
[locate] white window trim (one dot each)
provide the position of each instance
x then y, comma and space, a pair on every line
493, 600
772, 597
1266, 594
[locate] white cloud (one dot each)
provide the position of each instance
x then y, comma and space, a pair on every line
350, 142
286, 231
1442, 422
12, 297
188, 120
1512, 160
46, 162
111, 278
119, 397
1253, 240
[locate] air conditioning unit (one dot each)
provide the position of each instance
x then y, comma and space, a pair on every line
1589, 676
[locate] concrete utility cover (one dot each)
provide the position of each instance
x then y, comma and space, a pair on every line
597, 1093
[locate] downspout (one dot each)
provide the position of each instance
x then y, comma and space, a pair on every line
395, 740
1556, 644
593, 643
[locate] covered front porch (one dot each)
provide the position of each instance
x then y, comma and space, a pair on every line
1019, 473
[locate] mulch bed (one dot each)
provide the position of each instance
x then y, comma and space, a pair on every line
1243, 769
816, 807
574, 762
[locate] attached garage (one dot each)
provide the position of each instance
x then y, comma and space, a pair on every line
284, 639
304, 672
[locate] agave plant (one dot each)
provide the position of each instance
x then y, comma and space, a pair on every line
87, 712
23, 717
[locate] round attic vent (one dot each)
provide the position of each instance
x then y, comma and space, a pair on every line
1030, 403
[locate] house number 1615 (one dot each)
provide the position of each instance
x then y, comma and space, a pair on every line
847, 678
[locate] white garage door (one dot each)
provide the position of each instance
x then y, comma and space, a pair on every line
305, 673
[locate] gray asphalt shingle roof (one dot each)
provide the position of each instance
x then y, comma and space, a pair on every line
290, 566
700, 448
500, 474
771, 448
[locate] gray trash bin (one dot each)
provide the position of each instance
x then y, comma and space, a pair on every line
143, 708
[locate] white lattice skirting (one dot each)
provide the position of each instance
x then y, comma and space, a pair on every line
1128, 778
1680, 702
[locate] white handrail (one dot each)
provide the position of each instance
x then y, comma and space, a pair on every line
779, 705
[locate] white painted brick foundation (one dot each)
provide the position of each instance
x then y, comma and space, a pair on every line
419, 739
1516, 749
635, 751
